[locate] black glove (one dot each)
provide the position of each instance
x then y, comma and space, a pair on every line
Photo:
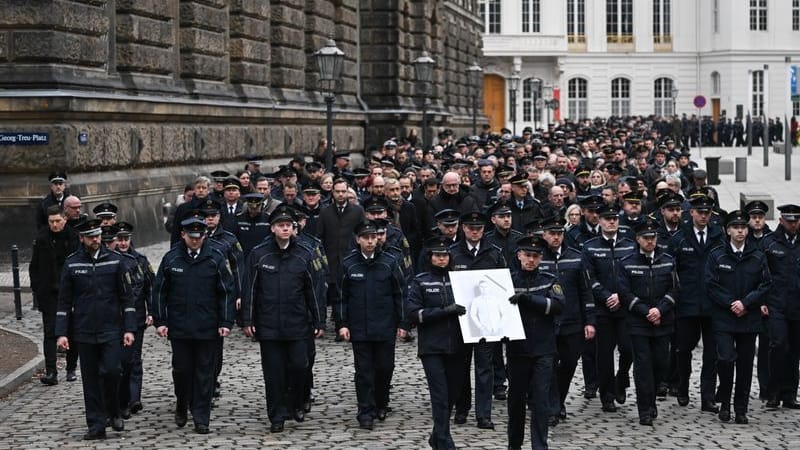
514, 299
455, 309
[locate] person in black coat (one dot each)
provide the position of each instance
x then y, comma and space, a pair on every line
738, 283
201, 191
58, 193
193, 306
453, 196
539, 297
648, 290
371, 311
250, 226
431, 307
50, 249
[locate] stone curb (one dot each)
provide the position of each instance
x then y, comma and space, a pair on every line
22, 374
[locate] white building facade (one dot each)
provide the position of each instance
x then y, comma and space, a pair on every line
599, 58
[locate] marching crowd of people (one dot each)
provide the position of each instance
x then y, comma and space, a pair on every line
619, 253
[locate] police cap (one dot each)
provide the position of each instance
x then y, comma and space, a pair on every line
105, 209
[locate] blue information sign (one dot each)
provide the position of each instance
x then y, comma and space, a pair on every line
24, 138
793, 83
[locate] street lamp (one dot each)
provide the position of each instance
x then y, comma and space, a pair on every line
423, 70
513, 85
547, 94
474, 73
329, 61
674, 94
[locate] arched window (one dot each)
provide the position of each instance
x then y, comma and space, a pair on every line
716, 86
620, 97
577, 98
663, 97
531, 92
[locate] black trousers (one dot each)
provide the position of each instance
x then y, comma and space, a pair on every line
589, 363
100, 372
218, 361
498, 367
130, 385
284, 365
47, 306
612, 332
688, 332
650, 364
784, 340
565, 362
735, 350
484, 381
445, 376
673, 377
193, 365
529, 375
763, 362
312, 356
374, 364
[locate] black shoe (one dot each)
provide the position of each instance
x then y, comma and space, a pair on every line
621, 396
673, 391
180, 417
511, 447
552, 421
94, 435
217, 391
485, 424
662, 391
741, 419
125, 413
276, 427
117, 424
654, 412
590, 392
725, 413
307, 407
791, 404
562, 414
609, 407
773, 403
683, 400
381, 414
460, 419
646, 420
71, 375
500, 395
51, 379
299, 415
201, 429
432, 443
367, 424
136, 407
710, 407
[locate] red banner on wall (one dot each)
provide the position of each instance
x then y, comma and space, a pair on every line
557, 96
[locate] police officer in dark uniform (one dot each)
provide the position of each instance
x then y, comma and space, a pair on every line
601, 260
576, 323
631, 214
371, 295
446, 228
691, 247
251, 225
281, 310
106, 212
58, 193
524, 206
193, 306
758, 230
431, 307
539, 297
670, 209
648, 290
782, 248
96, 291
738, 283
475, 252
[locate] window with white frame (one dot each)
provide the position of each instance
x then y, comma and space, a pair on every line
576, 21
757, 106
662, 26
531, 16
620, 97
619, 21
795, 15
758, 15
531, 91
662, 94
490, 15
577, 98
716, 84
715, 16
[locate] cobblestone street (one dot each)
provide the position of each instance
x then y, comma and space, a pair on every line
39, 417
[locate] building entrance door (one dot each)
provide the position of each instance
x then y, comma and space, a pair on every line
494, 101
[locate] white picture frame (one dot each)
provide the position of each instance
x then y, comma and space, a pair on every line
485, 294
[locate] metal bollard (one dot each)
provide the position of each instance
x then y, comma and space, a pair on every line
15, 275
787, 155
741, 169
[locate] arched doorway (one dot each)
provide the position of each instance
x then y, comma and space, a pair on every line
494, 101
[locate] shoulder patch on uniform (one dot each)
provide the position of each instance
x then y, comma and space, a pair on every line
557, 289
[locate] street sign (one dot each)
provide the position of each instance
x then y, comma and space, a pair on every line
699, 102
794, 93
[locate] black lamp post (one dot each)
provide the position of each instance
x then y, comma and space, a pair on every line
474, 73
674, 94
513, 85
423, 70
329, 61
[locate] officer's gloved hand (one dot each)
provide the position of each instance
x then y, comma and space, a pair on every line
516, 298
455, 309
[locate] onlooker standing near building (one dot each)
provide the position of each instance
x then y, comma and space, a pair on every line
58, 192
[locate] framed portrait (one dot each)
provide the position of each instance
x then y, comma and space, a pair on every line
485, 293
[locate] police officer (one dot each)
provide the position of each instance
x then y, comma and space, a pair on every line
631, 214
758, 230
280, 309
782, 248
601, 260
446, 228
539, 297
96, 292
106, 212
130, 391
251, 225
432, 308
576, 323
193, 306
738, 283
371, 296
475, 252
648, 290
691, 247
